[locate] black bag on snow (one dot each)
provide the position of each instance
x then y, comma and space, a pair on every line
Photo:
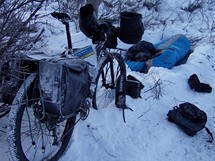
133, 86
189, 118
64, 85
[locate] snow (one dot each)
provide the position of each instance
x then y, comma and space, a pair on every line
147, 135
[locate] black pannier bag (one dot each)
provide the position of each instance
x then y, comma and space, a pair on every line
64, 84
189, 118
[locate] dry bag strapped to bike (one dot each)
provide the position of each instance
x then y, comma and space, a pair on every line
189, 118
64, 85
131, 27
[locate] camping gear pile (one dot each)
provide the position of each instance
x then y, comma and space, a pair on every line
143, 55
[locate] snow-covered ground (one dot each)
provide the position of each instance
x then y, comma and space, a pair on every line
147, 135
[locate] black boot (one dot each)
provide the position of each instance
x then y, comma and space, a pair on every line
197, 86
194, 82
205, 87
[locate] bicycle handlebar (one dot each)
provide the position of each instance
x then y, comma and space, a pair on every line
110, 34
104, 33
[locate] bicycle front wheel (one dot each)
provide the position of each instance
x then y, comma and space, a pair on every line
111, 67
32, 134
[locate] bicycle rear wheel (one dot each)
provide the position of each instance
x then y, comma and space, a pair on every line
111, 67
32, 134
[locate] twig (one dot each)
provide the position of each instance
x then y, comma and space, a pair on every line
144, 113
156, 89
110, 153
156, 84
3, 131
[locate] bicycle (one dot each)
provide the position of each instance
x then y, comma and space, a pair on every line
34, 133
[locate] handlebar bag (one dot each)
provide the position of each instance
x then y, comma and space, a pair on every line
64, 85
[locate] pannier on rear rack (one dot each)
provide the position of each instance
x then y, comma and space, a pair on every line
64, 85
13, 74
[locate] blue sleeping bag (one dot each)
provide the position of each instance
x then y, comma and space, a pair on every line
170, 52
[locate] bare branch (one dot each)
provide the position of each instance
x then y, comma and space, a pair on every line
110, 153
18, 20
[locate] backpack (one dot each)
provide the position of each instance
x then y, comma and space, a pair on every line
189, 118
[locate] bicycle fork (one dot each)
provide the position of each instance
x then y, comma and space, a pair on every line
120, 92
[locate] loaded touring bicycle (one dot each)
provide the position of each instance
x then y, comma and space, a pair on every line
54, 93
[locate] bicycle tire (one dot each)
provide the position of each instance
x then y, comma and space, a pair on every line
30, 139
109, 69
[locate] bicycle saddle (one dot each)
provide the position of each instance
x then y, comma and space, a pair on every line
60, 16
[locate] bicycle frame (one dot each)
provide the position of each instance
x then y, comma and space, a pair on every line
64, 18
29, 109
